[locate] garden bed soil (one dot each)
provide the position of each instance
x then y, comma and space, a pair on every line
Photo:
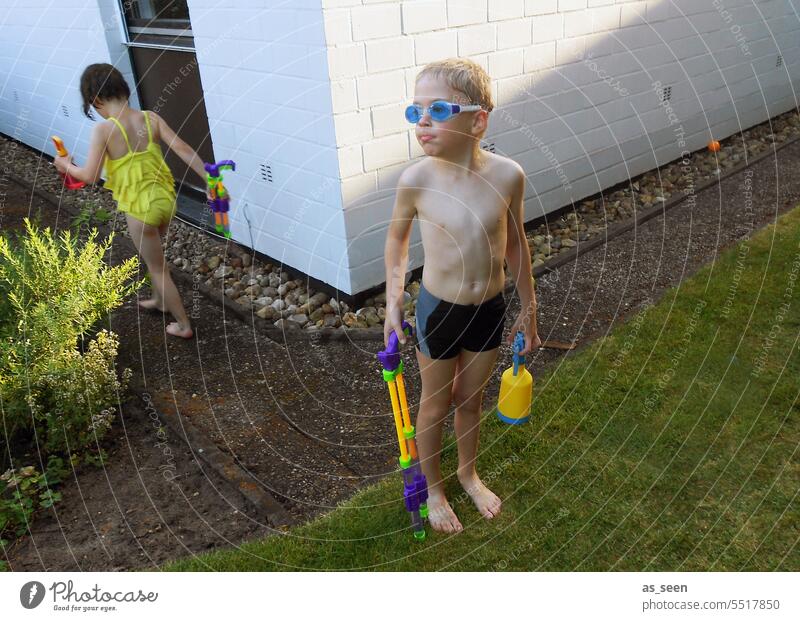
310, 420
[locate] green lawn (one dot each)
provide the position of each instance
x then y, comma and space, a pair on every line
670, 445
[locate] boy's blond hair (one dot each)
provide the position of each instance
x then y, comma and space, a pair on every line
463, 75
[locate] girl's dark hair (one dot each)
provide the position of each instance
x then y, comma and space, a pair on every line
104, 81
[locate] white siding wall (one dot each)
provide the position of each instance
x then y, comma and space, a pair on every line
264, 70
572, 132
314, 90
44, 48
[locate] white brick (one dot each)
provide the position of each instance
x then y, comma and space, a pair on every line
386, 54
389, 119
337, 27
633, 14
541, 56
385, 151
352, 127
540, 7
605, 18
506, 9
346, 61
381, 88
424, 16
570, 50
435, 45
466, 12
514, 33
411, 79
335, 4
577, 23
512, 90
571, 5
359, 189
343, 95
476, 40
548, 27
505, 64
350, 161
482, 60
374, 22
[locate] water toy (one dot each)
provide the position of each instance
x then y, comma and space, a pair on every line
219, 201
415, 487
516, 388
69, 182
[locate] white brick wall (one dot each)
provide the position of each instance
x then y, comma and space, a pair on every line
43, 51
547, 60
316, 89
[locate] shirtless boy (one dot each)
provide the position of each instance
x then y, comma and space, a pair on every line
469, 205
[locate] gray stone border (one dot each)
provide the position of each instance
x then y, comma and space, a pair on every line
224, 465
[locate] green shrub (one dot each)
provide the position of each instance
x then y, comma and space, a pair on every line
53, 292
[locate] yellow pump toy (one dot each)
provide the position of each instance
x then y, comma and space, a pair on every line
516, 388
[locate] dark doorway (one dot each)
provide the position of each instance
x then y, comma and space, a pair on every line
167, 76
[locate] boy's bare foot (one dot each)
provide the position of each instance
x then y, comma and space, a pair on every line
486, 501
176, 329
152, 304
441, 516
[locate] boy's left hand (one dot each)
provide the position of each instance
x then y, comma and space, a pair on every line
532, 340
62, 162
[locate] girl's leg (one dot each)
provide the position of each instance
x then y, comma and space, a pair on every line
156, 302
147, 240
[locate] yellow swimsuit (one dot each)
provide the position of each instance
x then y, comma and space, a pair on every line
141, 182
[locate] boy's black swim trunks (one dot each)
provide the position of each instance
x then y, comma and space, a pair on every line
444, 328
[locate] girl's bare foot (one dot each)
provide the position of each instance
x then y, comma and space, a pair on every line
441, 516
176, 329
152, 304
487, 503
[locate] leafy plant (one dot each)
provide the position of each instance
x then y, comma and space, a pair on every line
90, 213
23, 491
52, 293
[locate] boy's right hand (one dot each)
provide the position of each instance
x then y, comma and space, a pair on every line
393, 322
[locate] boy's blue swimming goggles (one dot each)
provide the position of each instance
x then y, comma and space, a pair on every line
439, 111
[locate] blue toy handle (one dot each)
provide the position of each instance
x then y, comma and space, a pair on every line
519, 345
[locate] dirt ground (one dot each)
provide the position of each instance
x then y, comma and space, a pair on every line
312, 422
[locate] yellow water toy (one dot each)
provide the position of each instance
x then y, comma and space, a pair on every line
516, 388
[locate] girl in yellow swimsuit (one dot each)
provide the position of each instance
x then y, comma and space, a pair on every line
138, 177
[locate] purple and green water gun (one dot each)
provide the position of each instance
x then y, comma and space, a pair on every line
415, 487
219, 201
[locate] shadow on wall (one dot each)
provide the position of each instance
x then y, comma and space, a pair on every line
598, 109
